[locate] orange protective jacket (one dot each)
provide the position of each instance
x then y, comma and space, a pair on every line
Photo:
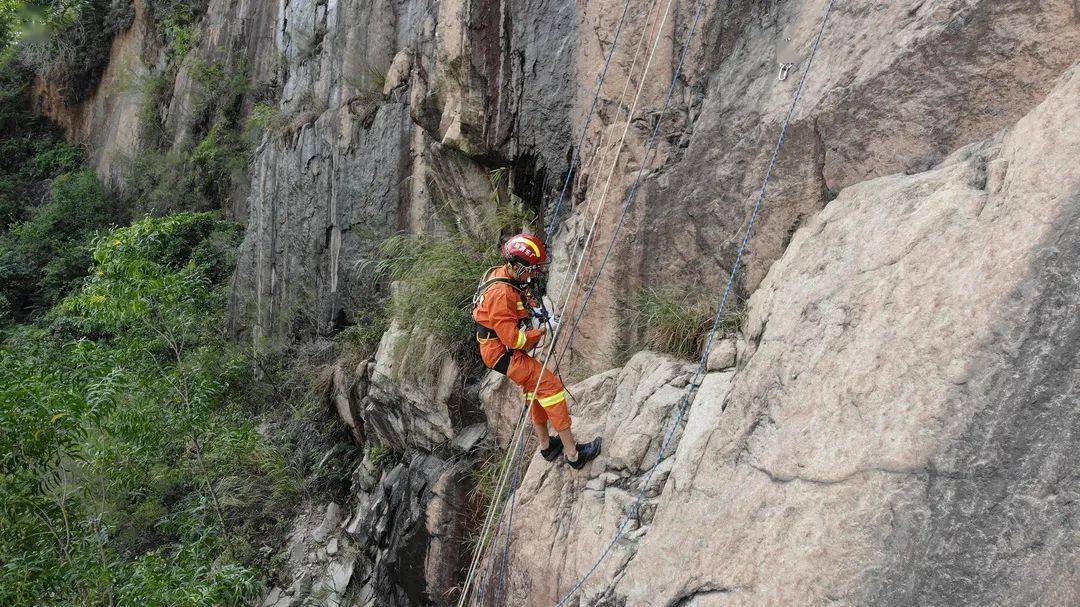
501, 310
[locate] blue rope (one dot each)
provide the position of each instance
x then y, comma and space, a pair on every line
695, 384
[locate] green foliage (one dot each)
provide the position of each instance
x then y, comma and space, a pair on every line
74, 56
9, 16
132, 472
264, 118
42, 256
154, 281
675, 322
180, 578
31, 150
49, 207
221, 154
54, 158
378, 78
155, 90
199, 175
361, 339
436, 277
178, 30
164, 182
381, 456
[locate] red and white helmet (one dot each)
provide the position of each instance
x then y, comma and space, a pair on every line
525, 249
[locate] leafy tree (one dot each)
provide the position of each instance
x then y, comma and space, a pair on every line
131, 473
43, 255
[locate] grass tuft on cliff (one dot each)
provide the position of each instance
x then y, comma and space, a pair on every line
436, 277
675, 322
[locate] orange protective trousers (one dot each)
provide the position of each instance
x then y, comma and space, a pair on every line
549, 401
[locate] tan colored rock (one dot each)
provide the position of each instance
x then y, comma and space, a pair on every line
722, 356
502, 402
344, 382
413, 388
108, 122
894, 88
862, 449
398, 72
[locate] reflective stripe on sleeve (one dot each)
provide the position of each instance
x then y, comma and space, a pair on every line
520, 340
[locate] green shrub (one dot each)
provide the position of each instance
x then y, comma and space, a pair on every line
264, 118
43, 256
161, 183
381, 456
178, 30
55, 158
155, 90
189, 576
675, 322
9, 23
32, 151
121, 421
436, 278
220, 155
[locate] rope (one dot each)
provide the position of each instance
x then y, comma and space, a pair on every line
695, 384
575, 155
516, 451
515, 464
574, 159
650, 148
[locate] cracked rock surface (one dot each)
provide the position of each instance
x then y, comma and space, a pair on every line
896, 425
901, 430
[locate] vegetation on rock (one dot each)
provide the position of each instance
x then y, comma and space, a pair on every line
677, 322
135, 461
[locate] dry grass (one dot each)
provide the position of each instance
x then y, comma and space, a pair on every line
675, 322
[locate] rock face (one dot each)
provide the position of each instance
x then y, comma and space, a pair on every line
393, 113
397, 541
901, 430
896, 424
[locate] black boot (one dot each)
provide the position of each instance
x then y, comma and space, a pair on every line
585, 454
553, 450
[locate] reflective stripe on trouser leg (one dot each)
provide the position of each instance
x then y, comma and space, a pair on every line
525, 371
554, 399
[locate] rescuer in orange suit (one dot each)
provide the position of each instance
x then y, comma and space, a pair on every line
502, 308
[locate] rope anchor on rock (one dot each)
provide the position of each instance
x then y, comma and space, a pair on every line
785, 69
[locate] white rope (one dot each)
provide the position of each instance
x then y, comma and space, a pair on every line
519, 434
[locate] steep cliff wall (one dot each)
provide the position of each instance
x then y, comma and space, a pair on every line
899, 429
896, 430
395, 111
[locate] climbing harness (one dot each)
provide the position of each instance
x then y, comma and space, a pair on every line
695, 383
